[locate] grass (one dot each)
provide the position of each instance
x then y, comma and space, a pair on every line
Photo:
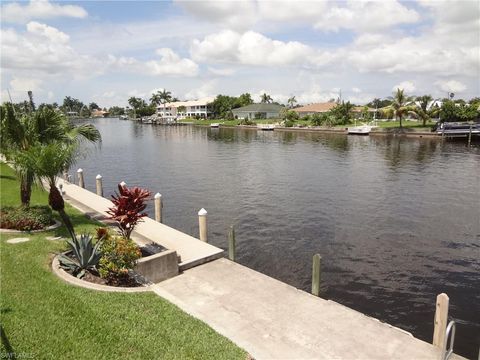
44, 318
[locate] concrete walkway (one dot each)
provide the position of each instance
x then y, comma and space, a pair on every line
192, 251
272, 320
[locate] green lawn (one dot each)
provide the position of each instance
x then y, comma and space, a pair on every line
44, 318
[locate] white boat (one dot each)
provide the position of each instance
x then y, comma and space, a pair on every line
266, 127
214, 125
360, 130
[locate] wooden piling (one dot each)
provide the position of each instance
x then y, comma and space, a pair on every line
98, 181
316, 274
202, 224
231, 243
470, 135
440, 321
158, 207
81, 181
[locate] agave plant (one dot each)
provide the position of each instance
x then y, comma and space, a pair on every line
86, 255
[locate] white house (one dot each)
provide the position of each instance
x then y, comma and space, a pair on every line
192, 108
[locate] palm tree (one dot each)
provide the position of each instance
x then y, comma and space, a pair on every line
265, 99
155, 99
423, 111
162, 97
21, 132
291, 102
48, 161
401, 105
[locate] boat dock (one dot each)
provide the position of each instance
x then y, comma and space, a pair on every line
266, 317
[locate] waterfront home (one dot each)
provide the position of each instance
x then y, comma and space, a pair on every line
258, 111
182, 109
315, 108
97, 113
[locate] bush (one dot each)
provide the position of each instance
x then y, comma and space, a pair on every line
128, 207
289, 123
292, 116
119, 255
86, 255
26, 218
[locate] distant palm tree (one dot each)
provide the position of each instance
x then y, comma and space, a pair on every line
164, 97
291, 102
266, 99
401, 105
155, 99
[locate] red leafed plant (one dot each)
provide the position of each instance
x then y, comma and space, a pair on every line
128, 207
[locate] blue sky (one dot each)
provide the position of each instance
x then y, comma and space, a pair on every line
107, 51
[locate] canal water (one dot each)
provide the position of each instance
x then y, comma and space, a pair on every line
396, 221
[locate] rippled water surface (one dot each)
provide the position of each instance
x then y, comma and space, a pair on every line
397, 221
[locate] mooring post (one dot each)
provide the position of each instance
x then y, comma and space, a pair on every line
231, 243
81, 181
65, 175
158, 207
98, 181
123, 183
202, 224
316, 274
470, 135
440, 321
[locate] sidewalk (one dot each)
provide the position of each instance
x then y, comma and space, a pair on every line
272, 320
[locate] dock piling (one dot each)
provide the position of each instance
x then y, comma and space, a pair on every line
231, 243
202, 224
470, 135
440, 320
316, 274
158, 207
81, 181
98, 182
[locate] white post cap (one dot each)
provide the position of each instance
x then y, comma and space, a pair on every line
98, 177
158, 196
123, 183
202, 212
80, 170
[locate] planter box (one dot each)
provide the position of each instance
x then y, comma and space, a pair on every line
158, 267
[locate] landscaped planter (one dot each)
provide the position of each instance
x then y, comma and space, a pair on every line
153, 269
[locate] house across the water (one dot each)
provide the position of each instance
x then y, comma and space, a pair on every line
182, 109
258, 111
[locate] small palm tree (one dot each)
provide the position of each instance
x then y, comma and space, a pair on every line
164, 97
401, 105
291, 102
266, 99
47, 161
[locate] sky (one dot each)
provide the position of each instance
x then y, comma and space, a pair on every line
108, 51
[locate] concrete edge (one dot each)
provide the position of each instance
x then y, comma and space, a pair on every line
62, 274
190, 264
51, 227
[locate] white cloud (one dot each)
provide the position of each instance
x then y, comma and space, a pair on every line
366, 16
356, 90
208, 89
451, 86
43, 9
253, 48
170, 63
221, 71
407, 86
44, 49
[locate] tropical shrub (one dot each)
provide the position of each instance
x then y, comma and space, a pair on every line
26, 218
128, 207
86, 255
291, 115
246, 121
288, 123
119, 255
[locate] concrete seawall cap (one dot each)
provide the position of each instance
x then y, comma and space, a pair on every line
202, 212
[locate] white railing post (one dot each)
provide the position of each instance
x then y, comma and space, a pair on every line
81, 181
98, 181
158, 207
202, 224
440, 321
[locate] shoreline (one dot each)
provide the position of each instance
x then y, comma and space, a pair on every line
396, 132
